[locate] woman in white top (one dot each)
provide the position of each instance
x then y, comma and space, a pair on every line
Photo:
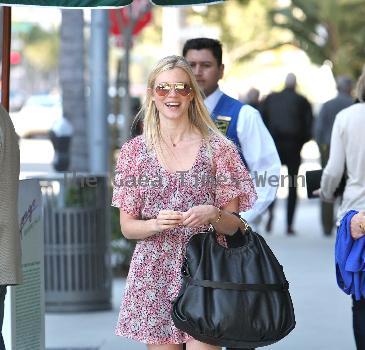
348, 147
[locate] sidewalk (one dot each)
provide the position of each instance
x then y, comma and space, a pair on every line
89, 330
323, 312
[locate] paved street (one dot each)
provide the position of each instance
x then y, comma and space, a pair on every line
323, 312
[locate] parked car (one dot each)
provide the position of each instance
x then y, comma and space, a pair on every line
16, 100
37, 116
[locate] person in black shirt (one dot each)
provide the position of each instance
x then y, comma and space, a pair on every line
288, 116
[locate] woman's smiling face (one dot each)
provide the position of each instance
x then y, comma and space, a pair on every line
173, 105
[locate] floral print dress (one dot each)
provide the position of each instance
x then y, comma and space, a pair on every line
143, 188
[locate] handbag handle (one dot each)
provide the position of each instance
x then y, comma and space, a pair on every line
262, 287
244, 226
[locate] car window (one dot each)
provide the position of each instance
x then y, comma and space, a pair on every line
43, 101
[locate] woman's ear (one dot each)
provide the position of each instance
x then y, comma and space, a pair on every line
150, 92
191, 96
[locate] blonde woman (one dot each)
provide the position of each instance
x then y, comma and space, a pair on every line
179, 176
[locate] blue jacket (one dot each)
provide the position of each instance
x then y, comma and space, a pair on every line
225, 116
350, 259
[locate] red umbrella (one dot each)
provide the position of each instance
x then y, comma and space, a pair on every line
5, 76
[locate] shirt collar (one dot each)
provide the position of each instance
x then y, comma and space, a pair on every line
212, 100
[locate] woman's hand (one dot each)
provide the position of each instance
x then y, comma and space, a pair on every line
200, 215
358, 225
317, 192
168, 219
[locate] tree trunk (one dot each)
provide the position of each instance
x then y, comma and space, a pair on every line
71, 72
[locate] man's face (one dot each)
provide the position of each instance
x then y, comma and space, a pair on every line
205, 68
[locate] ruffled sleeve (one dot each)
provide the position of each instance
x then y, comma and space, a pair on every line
126, 194
232, 177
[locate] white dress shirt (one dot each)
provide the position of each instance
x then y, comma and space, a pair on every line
347, 147
260, 153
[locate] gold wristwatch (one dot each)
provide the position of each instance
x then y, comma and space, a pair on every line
246, 226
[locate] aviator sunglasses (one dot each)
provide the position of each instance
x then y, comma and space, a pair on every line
163, 89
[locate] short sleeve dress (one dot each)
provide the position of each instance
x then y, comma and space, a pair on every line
142, 187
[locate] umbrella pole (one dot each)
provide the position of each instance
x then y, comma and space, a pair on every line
5, 69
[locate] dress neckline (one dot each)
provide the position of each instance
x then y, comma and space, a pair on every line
202, 143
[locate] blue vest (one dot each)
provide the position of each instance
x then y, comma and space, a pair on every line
225, 116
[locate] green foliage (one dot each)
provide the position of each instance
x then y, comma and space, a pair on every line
79, 196
115, 225
244, 28
121, 247
41, 48
326, 30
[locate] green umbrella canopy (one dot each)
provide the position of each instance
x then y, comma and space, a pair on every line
100, 3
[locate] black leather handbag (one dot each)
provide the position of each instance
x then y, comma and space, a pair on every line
233, 297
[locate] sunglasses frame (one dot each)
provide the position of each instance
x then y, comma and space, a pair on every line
171, 86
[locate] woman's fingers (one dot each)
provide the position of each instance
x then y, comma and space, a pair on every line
193, 220
196, 216
358, 226
169, 215
167, 219
169, 222
189, 222
188, 218
317, 192
166, 225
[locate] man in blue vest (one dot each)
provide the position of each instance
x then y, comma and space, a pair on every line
239, 122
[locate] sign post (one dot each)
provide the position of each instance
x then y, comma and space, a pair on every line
23, 327
125, 24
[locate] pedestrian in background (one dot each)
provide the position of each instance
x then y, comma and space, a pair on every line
239, 122
288, 116
164, 194
348, 147
252, 98
10, 253
323, 130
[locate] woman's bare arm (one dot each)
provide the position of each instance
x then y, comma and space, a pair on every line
222, 219
134, 228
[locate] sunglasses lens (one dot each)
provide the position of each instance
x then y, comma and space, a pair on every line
182, 89
162, 89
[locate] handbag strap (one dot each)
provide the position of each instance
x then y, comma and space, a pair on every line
238, 286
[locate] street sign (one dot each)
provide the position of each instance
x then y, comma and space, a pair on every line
139, 14
24, 304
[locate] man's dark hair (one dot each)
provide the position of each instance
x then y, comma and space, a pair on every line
205, 43
344, 84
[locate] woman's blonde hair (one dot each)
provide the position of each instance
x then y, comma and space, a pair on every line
198, 114
360, 88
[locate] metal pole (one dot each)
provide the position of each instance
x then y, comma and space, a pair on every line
5, 69
171, 30
98, 112
126, 98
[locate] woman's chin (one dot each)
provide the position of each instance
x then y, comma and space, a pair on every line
171, 115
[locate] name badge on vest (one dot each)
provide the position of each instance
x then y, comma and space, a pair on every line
222, 122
